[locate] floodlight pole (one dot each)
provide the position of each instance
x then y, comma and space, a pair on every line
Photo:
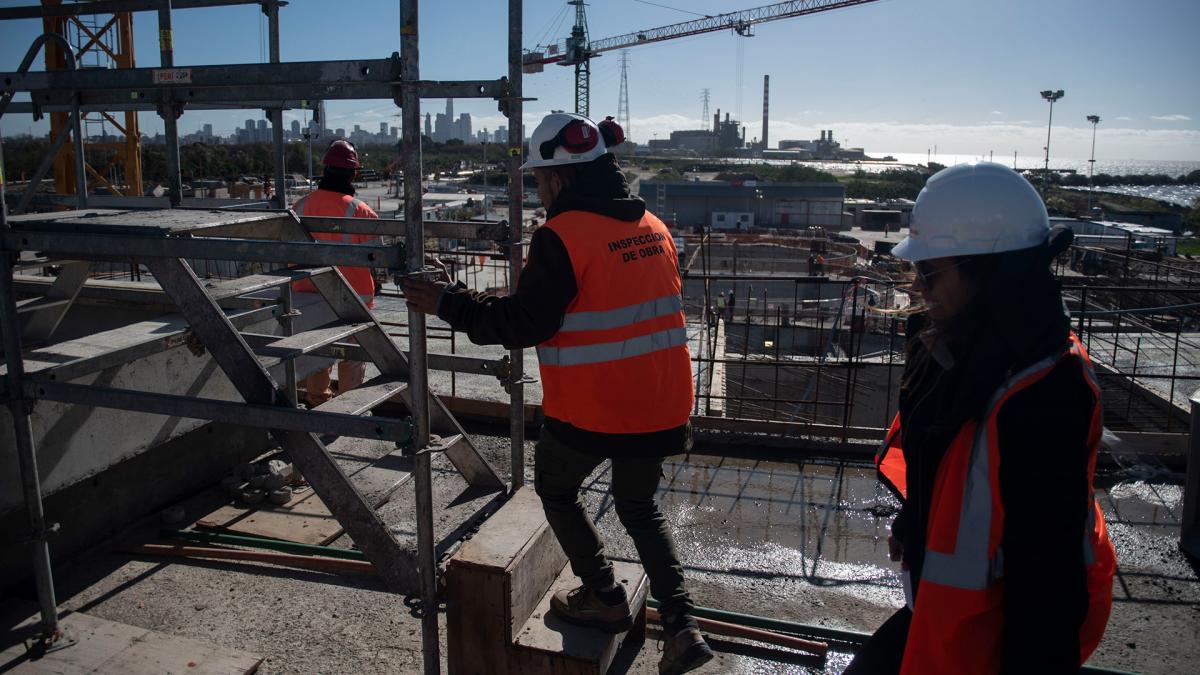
1050, 96
1095, 120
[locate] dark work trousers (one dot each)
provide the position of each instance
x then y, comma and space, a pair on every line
884, 651
559, 472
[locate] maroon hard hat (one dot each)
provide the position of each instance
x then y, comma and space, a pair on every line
341, 154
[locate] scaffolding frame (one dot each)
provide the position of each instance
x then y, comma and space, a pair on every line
275, 237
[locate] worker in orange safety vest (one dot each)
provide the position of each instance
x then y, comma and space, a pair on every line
1001, 540
334, 197
601, 299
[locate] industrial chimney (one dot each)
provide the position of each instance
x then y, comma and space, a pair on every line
766, 108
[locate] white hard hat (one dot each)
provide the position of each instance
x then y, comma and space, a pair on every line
564, 138
974, 209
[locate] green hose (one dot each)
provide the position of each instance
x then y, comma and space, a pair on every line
261, 542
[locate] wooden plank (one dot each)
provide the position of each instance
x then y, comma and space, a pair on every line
476, 632
547, 644
375, 467
501, 539
496, 580
305, 519
105, 646
536, 567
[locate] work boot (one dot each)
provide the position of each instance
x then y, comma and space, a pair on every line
684, 651
583, 607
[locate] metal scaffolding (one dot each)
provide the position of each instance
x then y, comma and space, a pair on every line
140, 232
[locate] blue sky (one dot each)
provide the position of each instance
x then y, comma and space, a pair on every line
892, 76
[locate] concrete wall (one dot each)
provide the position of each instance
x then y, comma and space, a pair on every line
75, 443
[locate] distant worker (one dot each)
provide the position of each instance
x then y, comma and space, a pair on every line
730, 303
334, 197
812, 265
1001, 540
721, 304
820, 264
602, 301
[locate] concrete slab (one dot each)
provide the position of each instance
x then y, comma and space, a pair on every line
802, 542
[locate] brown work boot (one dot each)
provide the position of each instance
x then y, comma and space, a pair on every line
683, 651
581, 606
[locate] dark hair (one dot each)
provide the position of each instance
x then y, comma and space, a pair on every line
1014, 318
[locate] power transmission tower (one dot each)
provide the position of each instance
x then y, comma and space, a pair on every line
705, 94
623, 103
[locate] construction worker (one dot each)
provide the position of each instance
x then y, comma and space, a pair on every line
601, 299
334, 197
1003, 548
721, 304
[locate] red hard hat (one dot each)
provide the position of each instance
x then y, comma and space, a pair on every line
341, 154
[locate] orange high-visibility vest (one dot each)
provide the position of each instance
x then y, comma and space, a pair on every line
338, 205
958, 616
620, 362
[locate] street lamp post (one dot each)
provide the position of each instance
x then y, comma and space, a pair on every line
1050, 96
1094, 119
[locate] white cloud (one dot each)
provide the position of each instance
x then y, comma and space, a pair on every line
997, 112
1123, 118
1172, 118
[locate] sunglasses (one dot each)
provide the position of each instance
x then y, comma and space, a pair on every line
577, 137
926, 274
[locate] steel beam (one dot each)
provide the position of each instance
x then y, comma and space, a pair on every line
232, 412
106, 246
114, 7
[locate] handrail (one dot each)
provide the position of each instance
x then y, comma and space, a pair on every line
76, 119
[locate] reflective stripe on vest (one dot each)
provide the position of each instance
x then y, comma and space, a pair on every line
612, 351
622, 316
970, 567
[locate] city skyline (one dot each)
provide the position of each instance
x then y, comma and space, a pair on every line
891, 76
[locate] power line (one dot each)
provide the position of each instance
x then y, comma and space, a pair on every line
685, 11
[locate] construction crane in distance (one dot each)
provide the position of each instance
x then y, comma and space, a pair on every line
578, 50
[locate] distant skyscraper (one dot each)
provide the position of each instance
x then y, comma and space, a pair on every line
450, 108
395, 132
428, 126
442, 128
339, 132
208, 132
464, 128
262, 134
295, 128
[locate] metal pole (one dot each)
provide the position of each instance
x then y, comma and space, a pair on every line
516, 192
18, 408
80, 164
287, 321
1092, 165
169, 111
272, 10
410, 74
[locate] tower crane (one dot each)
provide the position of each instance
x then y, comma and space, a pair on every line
578, 49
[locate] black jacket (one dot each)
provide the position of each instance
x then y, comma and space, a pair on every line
1043, 432
534, 313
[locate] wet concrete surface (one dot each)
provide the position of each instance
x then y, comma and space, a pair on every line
804, 542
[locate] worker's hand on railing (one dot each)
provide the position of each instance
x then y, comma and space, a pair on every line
434, 261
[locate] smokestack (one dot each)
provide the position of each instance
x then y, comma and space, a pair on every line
717, 121
766, 108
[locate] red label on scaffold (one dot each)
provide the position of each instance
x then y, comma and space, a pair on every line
173, 76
